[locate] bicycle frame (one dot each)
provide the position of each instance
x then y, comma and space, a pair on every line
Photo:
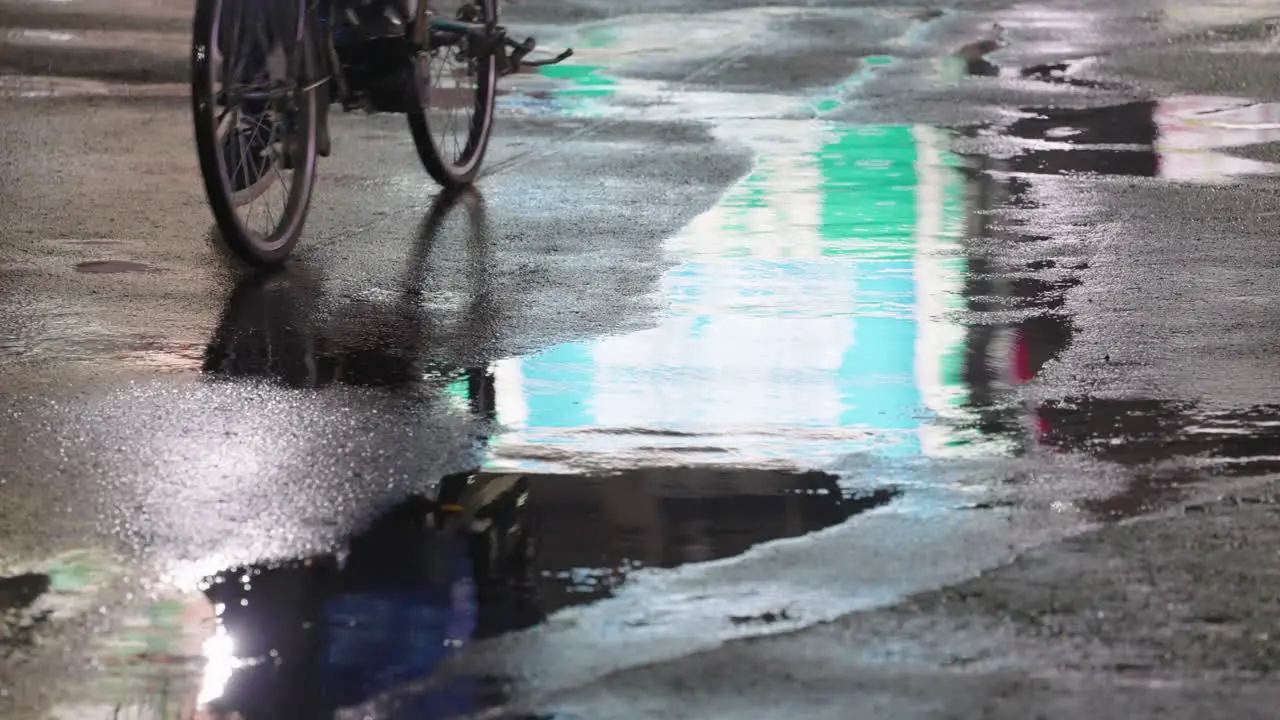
428, 30
492, 35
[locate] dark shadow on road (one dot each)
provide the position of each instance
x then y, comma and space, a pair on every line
1170, 445
1111, 140
598, 529
283, 326
19, 591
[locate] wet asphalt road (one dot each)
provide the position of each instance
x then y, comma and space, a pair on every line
755, 331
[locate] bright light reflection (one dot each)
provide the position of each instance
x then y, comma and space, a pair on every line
220, 663
1193, 129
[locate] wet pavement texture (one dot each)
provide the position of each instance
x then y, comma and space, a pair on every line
896, 360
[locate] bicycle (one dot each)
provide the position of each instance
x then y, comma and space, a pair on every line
265, 73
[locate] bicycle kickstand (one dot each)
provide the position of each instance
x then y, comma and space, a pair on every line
568, 53
519, 50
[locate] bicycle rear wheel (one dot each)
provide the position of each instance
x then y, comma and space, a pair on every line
454, 85
254, 122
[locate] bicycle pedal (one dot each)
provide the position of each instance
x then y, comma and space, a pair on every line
282, 152
324, 142
323, 139
568, 53
374, 21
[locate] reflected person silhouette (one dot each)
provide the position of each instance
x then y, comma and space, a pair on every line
998, 356
1111, 140
283, 326
305, 638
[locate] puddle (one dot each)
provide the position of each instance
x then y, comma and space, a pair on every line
1170, 446
818, 312
35, 597
167, 356
1193, 128
850, 305
334, 631
839, 302
813, 314
1116, 140
597, 530
1183, 139
269, 331
1066, 73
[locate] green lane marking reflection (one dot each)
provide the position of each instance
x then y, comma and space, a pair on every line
837, 95
871, 218
588, 80
869, 182
460, 389
79, 570
888, 216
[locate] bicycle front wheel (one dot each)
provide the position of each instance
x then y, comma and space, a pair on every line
455, 80
254, 122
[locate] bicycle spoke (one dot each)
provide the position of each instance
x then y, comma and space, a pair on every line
254, 123
255, 108
452, 95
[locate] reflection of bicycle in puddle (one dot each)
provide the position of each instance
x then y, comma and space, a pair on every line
375, 621
281, 326
369, 623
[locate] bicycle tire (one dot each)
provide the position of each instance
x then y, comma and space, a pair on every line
463, 172
261, 249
